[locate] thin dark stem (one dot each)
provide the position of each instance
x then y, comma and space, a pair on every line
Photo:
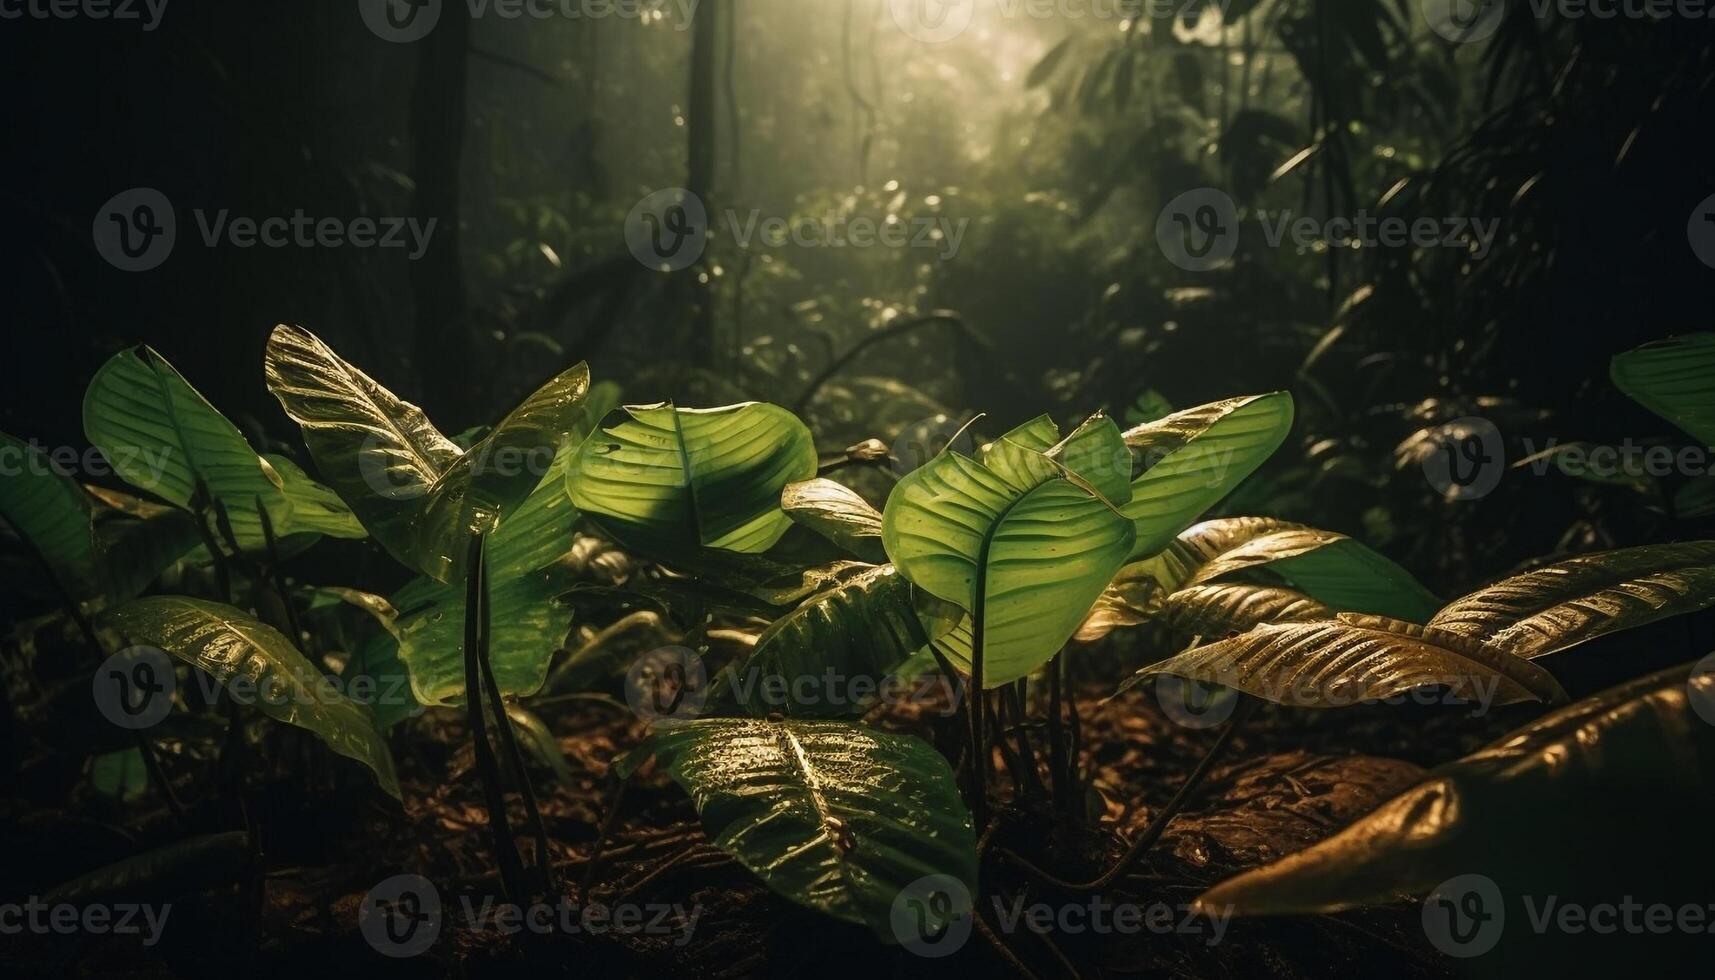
158, 776
475, 648
1019, 697
1158, 826
278, 576
886, 333
607, 821
1056, 736
509, 740
222, 578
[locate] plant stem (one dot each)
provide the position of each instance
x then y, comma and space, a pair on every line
509, 740
277, 575
475, 651
1158, 826
1056, 736
607, 822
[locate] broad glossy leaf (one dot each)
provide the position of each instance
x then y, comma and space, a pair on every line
1036, 546
860, 631
314, 507
164, 438
121, 775
1497, 808
1335, 569
676, 480
1674, 379
1575, 601
50, 511
1193, 458
1337, 663
375, 668
1328, 568
229, 645
836, 512
1215, 611
1097, 454
410, 486
836, 817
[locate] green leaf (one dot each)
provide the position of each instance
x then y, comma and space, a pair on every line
1505, 809
1015, 541
673, 481
1191, 459
1096, 453
229, 645
50, 511
314, 507
1674, 379
1338, 663
385, 676
837, 513
535, 739
137, 552
409, 485
1575, 601
164, 438
1216, 611
1335, 569
833, 816
119, 775
857, 633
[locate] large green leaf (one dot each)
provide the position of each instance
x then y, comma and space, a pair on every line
1510, 809
1575, 601
529, 617
1014, 540
410, 485
163, 437
1335, 569
673, 481
1674, 379
845, 641
1327, 568
1215, 611
1191, 459
834, 816
231, 646
1340, 662
52, 513
836, 512
314, 507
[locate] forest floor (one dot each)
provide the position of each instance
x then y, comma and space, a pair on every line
1287, 780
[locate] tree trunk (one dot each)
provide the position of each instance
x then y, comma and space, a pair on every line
701, 144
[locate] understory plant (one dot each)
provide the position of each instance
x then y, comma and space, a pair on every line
720, 528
